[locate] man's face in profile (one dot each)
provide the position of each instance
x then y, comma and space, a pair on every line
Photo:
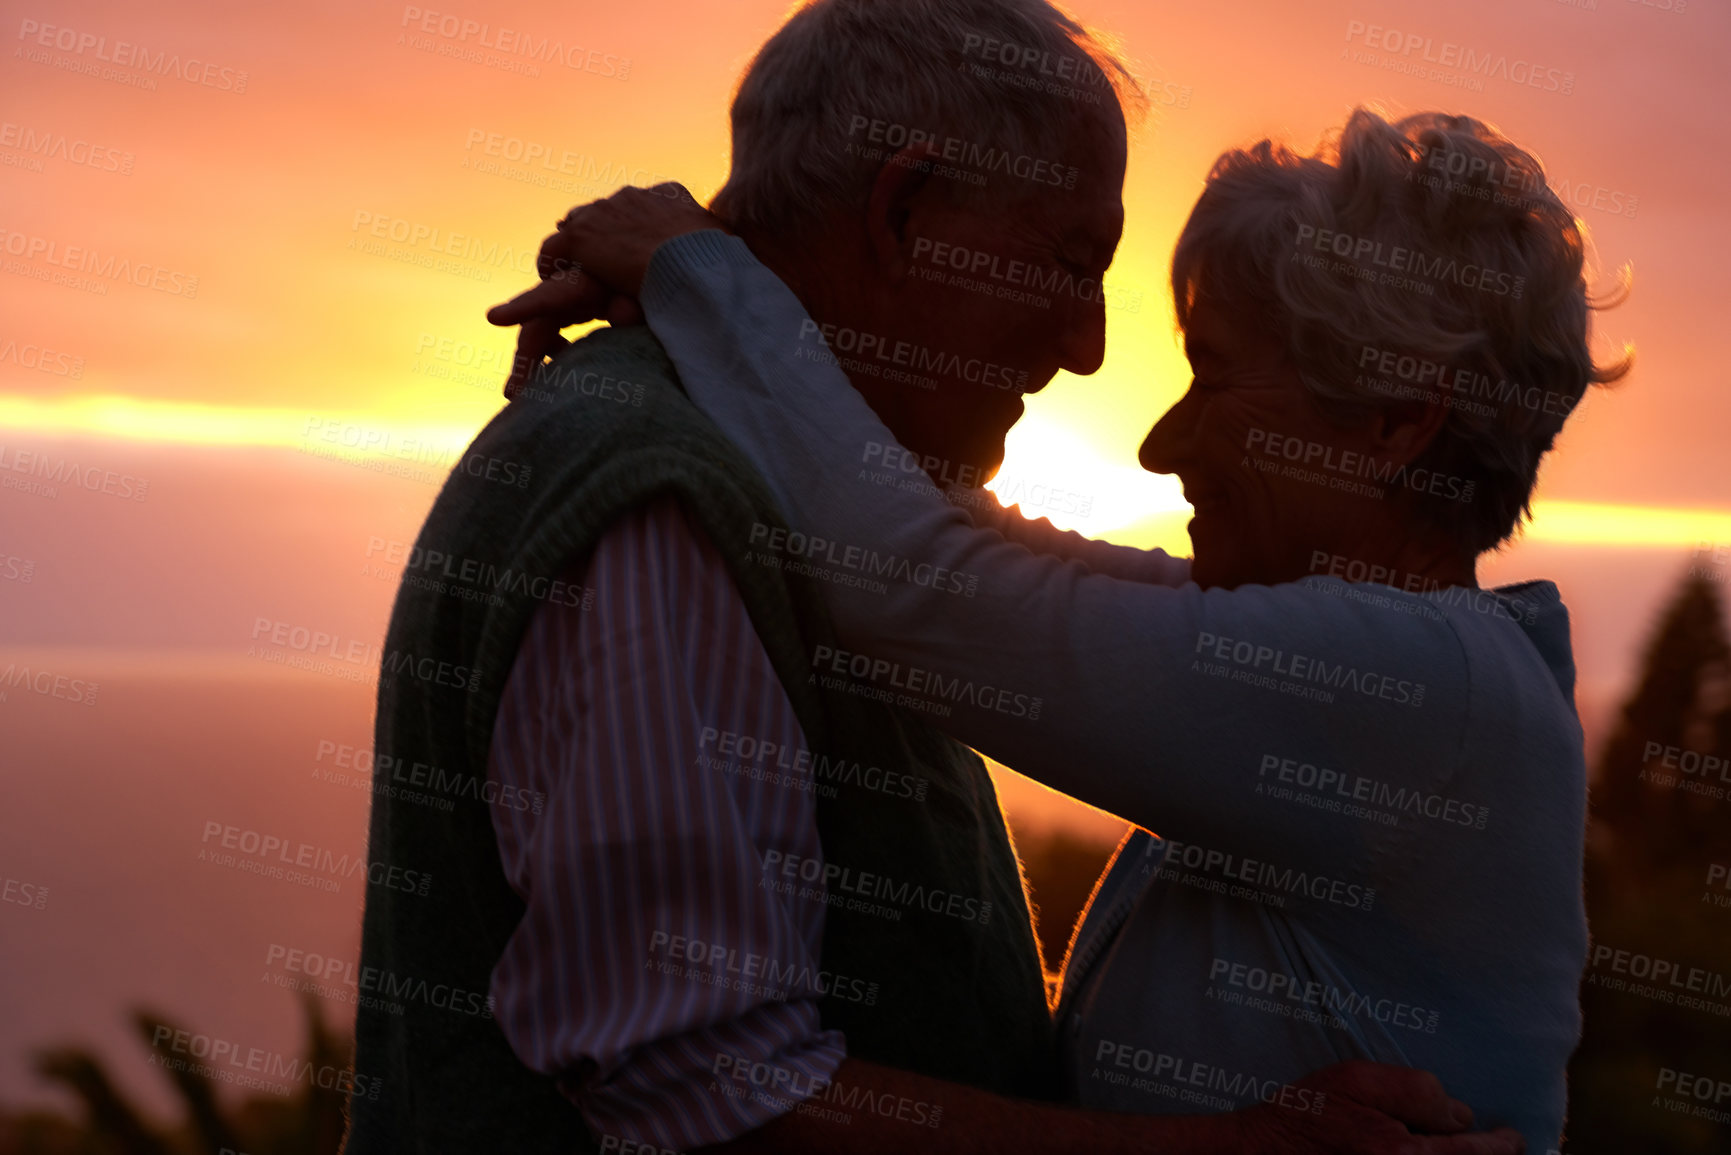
999, 298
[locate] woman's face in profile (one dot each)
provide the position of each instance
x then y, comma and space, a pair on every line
1259, 460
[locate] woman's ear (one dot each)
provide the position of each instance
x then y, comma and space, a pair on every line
900, 198
1403, 431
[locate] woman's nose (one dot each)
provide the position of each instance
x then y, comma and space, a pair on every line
1164, 448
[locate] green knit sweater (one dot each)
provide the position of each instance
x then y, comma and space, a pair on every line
958, 988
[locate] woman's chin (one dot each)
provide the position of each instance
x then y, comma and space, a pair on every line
1204, 567
1215, 561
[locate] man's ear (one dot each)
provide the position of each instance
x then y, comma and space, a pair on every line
902, 191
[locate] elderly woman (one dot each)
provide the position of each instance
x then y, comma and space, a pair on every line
1369, 793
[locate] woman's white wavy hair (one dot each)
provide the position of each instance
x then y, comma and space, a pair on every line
910, 63
1454, 190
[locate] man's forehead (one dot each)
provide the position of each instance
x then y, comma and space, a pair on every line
1083, 201
1094, 203
1094, 213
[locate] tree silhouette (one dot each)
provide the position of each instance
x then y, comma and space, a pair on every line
1656, 828
1640, 820
308, 1123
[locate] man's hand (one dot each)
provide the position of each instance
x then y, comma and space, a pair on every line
1371, 1109
594, 267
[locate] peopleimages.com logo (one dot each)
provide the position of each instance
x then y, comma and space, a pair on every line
232, 1062
1397, 261
124, 55
1250, 658
1452, 63
919, 688
46, 144
89, 269
48, 683
1125, 1064
1220, 871
511, 49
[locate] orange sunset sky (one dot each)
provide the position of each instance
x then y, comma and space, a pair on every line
239, 158
271, 153
351, 116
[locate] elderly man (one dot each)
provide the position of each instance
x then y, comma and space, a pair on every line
734, 901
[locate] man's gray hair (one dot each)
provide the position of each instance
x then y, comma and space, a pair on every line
994, 88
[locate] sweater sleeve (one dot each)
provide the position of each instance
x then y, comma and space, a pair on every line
1190, 712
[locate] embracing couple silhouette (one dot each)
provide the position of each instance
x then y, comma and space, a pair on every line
766, 899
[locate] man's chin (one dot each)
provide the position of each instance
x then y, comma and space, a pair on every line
996, 416
984, 458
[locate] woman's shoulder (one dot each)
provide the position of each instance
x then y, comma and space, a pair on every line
1451, 644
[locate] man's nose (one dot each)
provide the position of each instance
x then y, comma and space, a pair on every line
1084, 338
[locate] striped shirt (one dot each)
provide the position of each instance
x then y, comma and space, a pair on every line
651, 965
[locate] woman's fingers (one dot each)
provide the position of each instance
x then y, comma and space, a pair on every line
572, 300
591, 267
537, 340
622, 310
614, 239
674, 191
550, 307
557, 260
